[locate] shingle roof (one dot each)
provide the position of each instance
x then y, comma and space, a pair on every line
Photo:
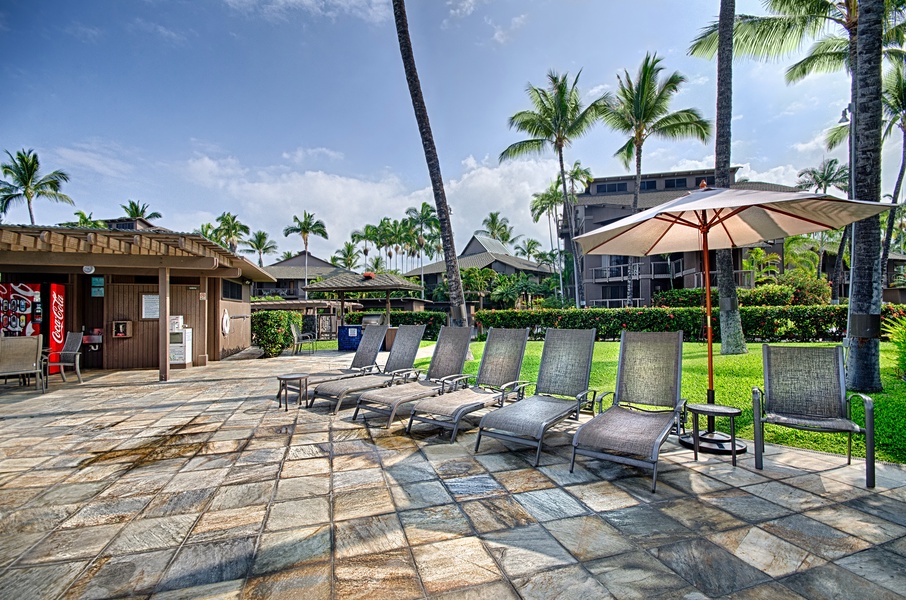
314, 272
482, 260
490, 244
656, 198
353, 282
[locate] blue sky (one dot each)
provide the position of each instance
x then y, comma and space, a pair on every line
267, 108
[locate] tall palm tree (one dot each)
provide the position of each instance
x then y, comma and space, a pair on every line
209, 231
498, 228
528, 248
547, 202
893, 103
830, 173
367, 235
863, 371
556, 119
85, 220
457, 299
259, 243
348, 257
376, 264
134, 210
799, 253
305, 227
231, 230
24, 182
641, 108
424, 218
287, 254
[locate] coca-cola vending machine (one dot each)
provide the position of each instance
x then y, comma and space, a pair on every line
24, 311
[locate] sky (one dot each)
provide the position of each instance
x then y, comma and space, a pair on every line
268, 108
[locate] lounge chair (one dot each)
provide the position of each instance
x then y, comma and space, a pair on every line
646, 404
21, 357
446, 367
805, 388
498, 375
69, 356
565, 371
398, 368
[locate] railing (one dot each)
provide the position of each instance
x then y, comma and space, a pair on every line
744, 279
650, 270
615, 303
269, 291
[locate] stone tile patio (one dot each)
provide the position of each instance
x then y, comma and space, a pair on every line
201, 488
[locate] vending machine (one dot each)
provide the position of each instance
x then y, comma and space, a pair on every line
25, 311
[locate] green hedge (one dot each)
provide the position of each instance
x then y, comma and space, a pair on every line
433, 320
806, 292
271, 330
760, 323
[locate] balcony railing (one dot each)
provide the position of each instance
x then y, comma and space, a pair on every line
616, 303
744, 279
646, 270
271, 291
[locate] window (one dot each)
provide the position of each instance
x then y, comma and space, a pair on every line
231, 290
671, 184
709, 181
610, 188
649, 184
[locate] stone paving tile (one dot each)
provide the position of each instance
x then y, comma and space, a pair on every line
565, 582
298, 513
709, 567
765, 552
68, 544
39, 582
588, 537
523, 480
833, 581
550, 504
225, 524
434, 524
311, 582
368, 535
878, 566
122, 575
453, 564
647, 526
525, 550
814, 536
860, 524
493, 514
602, 496
362, 503
211, 562
635, 575
292, 548
152, 534
474, 487
420, 495
377, 577
746, 506
881, 506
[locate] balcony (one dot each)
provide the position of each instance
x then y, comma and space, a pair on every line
616, 303
660, 269
744, 279
285, 293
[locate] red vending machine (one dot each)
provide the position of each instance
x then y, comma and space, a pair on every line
24, 311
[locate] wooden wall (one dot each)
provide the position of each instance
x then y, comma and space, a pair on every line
240, 336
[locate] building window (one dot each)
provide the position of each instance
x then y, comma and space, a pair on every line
671, 184
231, 290
709, 181
649, 184
610, 188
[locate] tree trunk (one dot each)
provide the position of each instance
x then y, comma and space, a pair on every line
732, 338
863, 361
892, 215
568, 213
457, 299
638, 178
837, 283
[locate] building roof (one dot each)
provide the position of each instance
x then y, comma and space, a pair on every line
649, 199
298, 260
483, 243
302, 304
687, 173
298, 273
353, 282
482, 260
30, 247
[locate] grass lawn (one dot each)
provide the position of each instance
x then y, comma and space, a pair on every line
734, 378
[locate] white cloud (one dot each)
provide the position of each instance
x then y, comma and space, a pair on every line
783, 174
165, 33
461, 8
301, 155
816, 144
700, 80
84, 33
502, 34
96, 156
372, 11
598, 90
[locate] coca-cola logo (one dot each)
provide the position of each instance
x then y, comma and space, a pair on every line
57, 308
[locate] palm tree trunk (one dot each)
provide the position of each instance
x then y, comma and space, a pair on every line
863, 371
568, 214
550, 233
638, 177
892, 215
837, 283
457, 299
306, 269
31, 212
732, 338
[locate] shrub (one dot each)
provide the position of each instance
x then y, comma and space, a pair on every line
895, 329
433, 320
271, 330
771, 294
807, 290
684, 297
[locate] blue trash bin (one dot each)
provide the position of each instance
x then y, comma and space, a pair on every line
348, 337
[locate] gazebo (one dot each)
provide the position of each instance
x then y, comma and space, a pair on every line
366, 282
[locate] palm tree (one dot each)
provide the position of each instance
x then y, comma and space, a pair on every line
367, 235
86, 221
347, 257
558, 117
230, 230
259, 244
830, 173
893, 102
375, 264
208, 230
134, 210
764, 266
799, 253
498, 228
547, 202
457, 299
25, 182
528, 248
641, 108
287, 254
478, 281
306, 227
425, 218
863, 371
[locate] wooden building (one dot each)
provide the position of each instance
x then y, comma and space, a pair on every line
122, 287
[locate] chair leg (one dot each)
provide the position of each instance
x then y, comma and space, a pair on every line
77, 371
63, 373
455, 431
869, 445
390, 418
849, 449
537, 454
758, 426
411, 420
654, 479
355, 413
572, 461
478, 440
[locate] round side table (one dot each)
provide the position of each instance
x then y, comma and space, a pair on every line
293, 382
714, 410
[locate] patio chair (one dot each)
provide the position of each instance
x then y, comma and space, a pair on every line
445, 368
805, 388
21, 357
69, 356
398, 369
300, 339
565, 371
646, 404
498, 375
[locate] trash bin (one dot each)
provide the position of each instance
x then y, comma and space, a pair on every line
389, 337
348, 337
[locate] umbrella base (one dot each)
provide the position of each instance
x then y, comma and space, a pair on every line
712, 442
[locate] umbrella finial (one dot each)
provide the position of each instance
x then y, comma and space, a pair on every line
703, 185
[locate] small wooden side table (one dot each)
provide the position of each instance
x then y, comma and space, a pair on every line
293, 382
714, 410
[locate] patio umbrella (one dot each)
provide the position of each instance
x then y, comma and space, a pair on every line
716, 218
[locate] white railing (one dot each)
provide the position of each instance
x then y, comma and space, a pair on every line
616, 303
270, 291
744, 279
648, 270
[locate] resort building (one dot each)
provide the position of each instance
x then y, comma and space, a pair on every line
290, 278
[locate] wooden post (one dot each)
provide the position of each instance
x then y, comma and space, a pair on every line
388, 307
342, 318
163, 291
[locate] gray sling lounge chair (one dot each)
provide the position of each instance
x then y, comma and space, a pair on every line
446, 365
565, 371
398, 368
21, 357
646, 403
498, 375
805, 388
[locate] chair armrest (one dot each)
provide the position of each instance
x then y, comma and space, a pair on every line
757, 403
582, 399
867, 403
519, 388
451, 382
400, 374
601, 400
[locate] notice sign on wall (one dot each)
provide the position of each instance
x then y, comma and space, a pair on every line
150, 306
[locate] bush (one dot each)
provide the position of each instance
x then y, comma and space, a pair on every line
271, 330
807, 290
433, 320
684, 297
771, 294
895, 329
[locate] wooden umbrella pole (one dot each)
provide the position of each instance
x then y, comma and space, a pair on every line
708, 329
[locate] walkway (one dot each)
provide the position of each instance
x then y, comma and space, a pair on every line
202, 488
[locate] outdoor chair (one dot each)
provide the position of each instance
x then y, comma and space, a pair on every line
69, 356
398, 369
646, 404
445, 369
498, 375
805, 388
300, 339
565, 371
21, 357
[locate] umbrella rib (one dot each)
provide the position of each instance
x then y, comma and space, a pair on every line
799, 217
